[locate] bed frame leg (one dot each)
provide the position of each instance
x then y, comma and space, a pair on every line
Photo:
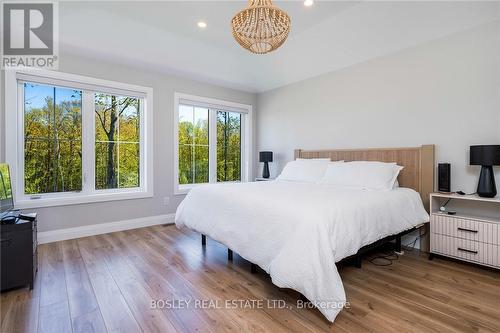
203, 240
398, 244
431, 256
229, 254
357, 261
253, 268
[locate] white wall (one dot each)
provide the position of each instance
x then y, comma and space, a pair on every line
445, 92
164, 87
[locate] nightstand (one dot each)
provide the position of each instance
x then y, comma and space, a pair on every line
472, 234
19, 262
260, 179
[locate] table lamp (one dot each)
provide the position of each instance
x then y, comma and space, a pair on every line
486, 156
265, 157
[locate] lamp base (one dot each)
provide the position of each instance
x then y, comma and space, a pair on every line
486, 187
265, 171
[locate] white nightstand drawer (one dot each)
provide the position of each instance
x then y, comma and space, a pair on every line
469, 250
465, 228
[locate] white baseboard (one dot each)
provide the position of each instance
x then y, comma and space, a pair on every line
102, 228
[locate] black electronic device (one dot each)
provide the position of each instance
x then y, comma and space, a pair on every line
18, 253
27, 217
444, 177
18, 238
9, 219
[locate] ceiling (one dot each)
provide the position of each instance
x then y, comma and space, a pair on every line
163, 36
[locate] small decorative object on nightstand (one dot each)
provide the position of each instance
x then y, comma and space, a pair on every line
471, 233
486, 156
265, 157
444, 177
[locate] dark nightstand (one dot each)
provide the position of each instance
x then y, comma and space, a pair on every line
19, 260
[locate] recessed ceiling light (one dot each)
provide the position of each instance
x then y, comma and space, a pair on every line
202, 24
308, 3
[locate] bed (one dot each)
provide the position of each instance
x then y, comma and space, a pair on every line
297, 232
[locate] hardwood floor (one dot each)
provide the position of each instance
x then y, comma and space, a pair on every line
108, 282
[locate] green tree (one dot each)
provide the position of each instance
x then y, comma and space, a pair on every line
194, 145
117, 120
53, 140
52, 125
228, 146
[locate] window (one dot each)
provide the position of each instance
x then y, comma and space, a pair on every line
76, 139
212, 141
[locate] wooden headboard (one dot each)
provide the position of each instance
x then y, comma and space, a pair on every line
418, 163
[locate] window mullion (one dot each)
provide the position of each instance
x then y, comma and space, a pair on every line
143, 166
212, 145
244, 167
88, 142
19, 170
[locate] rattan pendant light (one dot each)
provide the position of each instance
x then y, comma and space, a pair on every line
261, 27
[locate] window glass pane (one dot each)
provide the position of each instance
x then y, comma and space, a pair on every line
117, 141
200, 125
129, 165
186, 124
129, 129
105, 171
53, 142
201, 164
193, 145
38, 168
185, 164
228, 146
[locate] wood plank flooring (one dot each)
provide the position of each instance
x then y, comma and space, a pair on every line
107, 283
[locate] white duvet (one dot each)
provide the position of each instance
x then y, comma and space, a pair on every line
296, 232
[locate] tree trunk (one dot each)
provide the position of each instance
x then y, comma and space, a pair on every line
111, 181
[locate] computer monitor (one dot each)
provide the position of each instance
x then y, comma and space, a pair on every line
6, 200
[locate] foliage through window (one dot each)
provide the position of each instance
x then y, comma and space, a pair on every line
228, 146
193, 145
117, 145
54, 130
197, 145
52, 139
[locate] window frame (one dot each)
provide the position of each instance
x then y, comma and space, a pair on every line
214, 105
14, 138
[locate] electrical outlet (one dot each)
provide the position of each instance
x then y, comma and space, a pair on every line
166, 201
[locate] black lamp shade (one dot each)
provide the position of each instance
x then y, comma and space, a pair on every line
485, 155
266, 156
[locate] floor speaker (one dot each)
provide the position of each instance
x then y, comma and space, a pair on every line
444, 180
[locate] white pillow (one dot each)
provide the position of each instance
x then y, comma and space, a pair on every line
304, 171
366, 175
